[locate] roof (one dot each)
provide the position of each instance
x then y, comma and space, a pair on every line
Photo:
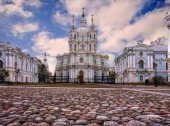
159, 47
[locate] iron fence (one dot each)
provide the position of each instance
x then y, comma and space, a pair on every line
66, 79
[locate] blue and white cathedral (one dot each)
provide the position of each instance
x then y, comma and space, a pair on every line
82, 60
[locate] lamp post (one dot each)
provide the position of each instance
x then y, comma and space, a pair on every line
168, 26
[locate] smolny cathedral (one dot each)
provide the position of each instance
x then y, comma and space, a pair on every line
82, 60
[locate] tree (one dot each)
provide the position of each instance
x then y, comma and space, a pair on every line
42, 73
3, 75
158, 80
54, 79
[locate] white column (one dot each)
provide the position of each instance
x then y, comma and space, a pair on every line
151, 60
92, 74
148, 61
128, 61
6, 60
10, 60
131, 61
71, 74
123, 64
134, 64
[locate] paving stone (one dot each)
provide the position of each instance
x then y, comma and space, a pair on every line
14, 124
110, 123
29, 124
42, 124
81, 122
80, 106
135, 123
102, 118
59, 124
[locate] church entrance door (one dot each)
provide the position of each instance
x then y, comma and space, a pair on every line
81, 76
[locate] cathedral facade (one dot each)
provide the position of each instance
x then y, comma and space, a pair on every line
82, 61
141, 62
16, 65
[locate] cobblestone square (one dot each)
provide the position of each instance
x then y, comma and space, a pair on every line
54, 106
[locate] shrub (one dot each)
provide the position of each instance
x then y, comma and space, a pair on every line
158, 80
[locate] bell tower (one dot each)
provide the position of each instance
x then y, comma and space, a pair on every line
92, 37
73, 36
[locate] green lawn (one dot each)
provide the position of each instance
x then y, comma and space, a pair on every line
82, 85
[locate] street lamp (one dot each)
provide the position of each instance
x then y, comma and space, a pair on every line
168, 26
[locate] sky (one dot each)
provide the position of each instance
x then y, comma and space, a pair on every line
39, 26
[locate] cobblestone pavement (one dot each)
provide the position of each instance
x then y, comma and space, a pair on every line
82, 107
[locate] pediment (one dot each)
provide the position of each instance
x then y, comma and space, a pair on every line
141, 47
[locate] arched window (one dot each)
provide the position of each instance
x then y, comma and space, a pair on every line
166, 66
154, 66
94, 46
81, 60
82, 38
74, 36
0, 54
82, 47
90, 36
15, 65
75, 47
94, 36
102, 63
141, 64
141, 54
90, 47
94, 62
1, 64
70, 46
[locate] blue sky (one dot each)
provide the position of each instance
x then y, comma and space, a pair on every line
39, 26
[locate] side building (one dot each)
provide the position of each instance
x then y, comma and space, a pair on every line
141, 62
17, 65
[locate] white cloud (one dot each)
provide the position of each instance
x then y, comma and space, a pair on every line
33, 3
61, 19
25, 50
112, 18
149, 26
16, 7
74, 6
111, 59
45, 42
21, 28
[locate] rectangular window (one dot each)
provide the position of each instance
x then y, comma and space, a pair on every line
141, 78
